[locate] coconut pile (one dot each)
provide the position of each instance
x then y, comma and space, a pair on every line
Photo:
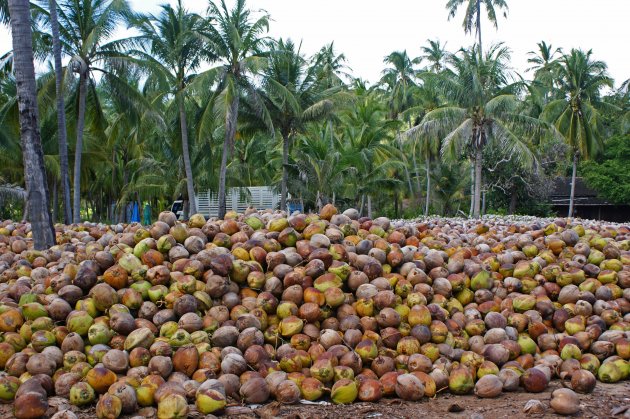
177, 319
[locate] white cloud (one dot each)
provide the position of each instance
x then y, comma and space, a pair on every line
367, 30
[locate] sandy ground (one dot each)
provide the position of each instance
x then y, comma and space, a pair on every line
608, 400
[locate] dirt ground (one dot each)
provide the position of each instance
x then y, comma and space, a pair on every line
607, 401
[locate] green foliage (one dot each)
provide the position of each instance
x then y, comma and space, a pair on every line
254, 107
609, 175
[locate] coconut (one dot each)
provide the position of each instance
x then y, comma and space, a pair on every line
409, 387
287, 392
172, 406
209, 401
41, 364
461, 381
108, 407
534, 380
81, 394
488, 386
116, 360
254, 390
126, 394
583, 381
370, 390
30, 405
161, 365
564, 401
186, 360
99, 378
344, 391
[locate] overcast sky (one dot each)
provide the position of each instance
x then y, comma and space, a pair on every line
367, 30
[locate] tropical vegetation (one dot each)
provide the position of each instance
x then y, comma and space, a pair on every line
195, 102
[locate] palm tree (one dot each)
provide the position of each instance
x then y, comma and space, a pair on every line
293, 96
331, 66
483, 109
174, 50
577, 115
235, 38
34, 173
398, 78
367, 145
318, 168
472, 18
86, 27
61, 115
428, 98
544, 57
436, 54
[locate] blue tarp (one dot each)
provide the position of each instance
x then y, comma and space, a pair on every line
135, 213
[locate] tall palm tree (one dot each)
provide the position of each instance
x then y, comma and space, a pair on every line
174, 49
86, 28
236, 39
332, 66
294, 96
483, 109
544, 57
34, 173
435, 54
472, 18
398, 78
61, 115
577, 114
428, 98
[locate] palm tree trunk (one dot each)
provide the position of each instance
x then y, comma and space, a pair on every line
61, 116
369, 206
230, 131
78, 151
573, 175
479, 27
33, 156
478, 163
362, 205
55, 202
472, 189
285, 172
426, 204
190, 187
415, 170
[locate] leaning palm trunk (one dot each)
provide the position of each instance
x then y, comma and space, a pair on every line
573, 175
190, 187
230, 131
33, 156
61, 117
426, 205
78, 152
285, 172
477, 197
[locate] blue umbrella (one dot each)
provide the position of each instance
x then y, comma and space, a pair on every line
135, 213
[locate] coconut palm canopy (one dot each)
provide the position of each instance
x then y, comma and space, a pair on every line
210, 101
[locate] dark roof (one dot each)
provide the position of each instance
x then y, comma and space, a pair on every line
561, 193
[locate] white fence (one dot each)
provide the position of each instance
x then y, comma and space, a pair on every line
238, 199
